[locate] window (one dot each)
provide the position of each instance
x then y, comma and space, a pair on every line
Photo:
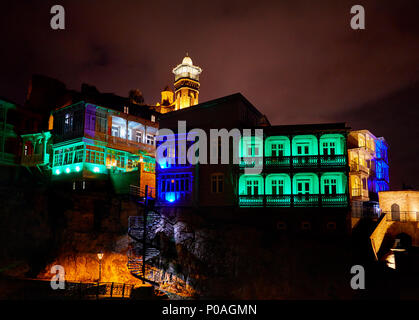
252, 187
101, 123
217, 183
126, 109
153, 118
356, 187
68, 122
68, 156
95, 155
58, 157
364, 183
329, 148
150, 139
25, 152
305, 225
78, 156
303, 186
330, 186
253, 150
302, 149
138, 136
174, 186
277, 187
116, 131
331, 226
277, 150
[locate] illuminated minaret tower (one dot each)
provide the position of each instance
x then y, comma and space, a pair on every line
186, 84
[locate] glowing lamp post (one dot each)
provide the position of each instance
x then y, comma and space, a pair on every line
100, 257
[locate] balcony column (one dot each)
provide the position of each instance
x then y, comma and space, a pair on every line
126, 130
320, 196
347, 175
291, 159
264, 189
292, 189
318, 149
44, 147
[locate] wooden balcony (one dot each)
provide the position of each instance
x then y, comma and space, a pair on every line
122, 143
298, 201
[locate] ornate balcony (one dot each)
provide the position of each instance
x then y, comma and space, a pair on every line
327, 161
305, 161
333, 161
278, 200
251, 200
251, 162
299, 201
277, 162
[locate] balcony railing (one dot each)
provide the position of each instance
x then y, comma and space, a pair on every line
283, 200
402, 216
251, 162
356, 192
121, 141
355, 167
299, 200
251, 200
277, 162
294, 162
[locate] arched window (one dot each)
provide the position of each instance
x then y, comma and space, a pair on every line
278, 184
304, 145
356, 186
277, 146
251, 185
305, 183
333, 183
332, 144
395, 212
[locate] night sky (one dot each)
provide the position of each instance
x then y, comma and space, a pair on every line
296, 61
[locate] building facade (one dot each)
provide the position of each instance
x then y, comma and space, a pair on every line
303, 173
369, 171
303, 166
91, 141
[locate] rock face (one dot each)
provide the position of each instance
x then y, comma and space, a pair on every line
199, 256
219, 259
84, 267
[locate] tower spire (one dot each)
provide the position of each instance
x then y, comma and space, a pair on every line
186, 83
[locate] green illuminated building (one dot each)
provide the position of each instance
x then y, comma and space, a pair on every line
91, 141
302, 166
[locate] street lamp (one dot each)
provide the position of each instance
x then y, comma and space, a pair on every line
100, 257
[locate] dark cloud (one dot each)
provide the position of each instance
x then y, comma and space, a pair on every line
297, 61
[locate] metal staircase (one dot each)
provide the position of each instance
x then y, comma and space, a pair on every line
140, 229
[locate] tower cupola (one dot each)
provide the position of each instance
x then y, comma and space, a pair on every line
186, 83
